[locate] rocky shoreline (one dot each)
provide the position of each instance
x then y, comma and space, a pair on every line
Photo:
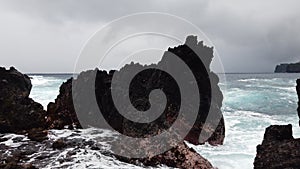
279, 149
36, 144
31, 137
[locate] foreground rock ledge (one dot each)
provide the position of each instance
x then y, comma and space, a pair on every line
81, 149
279, 150
180, 156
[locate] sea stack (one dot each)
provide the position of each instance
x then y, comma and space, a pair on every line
62, 112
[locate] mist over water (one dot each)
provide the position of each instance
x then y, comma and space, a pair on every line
251, 103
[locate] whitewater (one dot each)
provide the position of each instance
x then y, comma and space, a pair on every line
251, 103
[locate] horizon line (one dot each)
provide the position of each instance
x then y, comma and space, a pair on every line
72, 73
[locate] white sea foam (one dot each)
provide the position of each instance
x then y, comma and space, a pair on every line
11, 143
247, 80
45, 88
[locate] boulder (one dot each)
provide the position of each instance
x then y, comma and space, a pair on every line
180, 156
59, 144
37, 134
18, 112
279, 149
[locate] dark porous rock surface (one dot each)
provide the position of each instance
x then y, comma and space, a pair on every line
180, 156
90, 93
298, 93
18, 112
279, 150
59, 144
62, 113
37, 134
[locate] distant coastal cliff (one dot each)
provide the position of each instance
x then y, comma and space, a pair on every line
288, 68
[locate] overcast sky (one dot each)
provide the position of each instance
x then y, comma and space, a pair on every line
47, 35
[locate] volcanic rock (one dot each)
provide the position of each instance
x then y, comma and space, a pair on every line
37, 134
61, 113
180, 156
279, 149
59, 144
90, 94
18, 112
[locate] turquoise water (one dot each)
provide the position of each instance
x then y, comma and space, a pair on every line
45, 88
251, 103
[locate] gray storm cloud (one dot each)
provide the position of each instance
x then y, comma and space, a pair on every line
47, 36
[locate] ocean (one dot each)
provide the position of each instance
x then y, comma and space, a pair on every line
251, 103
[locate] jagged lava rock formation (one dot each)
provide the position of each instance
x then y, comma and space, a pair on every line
18, 112
25, 114
279, 150
288, 68
62, 112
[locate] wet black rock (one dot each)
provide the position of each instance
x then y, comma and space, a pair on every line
14, 165
59, 144
18, 112
3, 139
37, 134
